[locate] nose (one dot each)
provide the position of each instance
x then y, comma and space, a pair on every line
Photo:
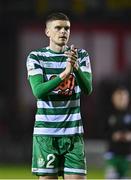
63, 30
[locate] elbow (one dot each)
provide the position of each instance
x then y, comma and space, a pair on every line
88, 90
89, 87
37, 95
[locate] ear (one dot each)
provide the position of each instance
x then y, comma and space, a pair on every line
47, 32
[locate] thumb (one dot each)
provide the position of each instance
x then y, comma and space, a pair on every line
72, 47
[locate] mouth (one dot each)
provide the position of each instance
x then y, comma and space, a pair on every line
63, 37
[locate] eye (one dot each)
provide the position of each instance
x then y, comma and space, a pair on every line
67, 28
57, 27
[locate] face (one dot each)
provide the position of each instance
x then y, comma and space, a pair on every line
58, 32
120, 99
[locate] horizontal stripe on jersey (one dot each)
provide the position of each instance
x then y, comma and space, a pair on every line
58, 118
54, 111
62, 58
56, 65
58, 104
57, 97
58, 131
47, 54
64, 124
53, 71
35, 72
84, 69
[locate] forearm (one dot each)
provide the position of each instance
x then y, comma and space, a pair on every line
84, 79
40, 88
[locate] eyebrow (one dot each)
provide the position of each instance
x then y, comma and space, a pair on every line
59, 26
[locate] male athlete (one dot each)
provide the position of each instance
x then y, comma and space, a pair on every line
57, 75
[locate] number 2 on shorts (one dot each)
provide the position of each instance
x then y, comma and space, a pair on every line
50, 159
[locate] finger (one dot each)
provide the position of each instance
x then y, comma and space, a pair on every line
72, 47
71, 60
70, 53
74, 58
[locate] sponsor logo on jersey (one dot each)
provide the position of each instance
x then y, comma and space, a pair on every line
66, 87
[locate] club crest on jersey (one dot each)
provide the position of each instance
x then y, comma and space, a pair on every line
40, 162
66, 87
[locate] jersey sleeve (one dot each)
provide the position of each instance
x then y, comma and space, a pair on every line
40, 88
84, 74
84, 61
33, 65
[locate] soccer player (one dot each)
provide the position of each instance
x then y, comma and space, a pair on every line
119, 135
57, 75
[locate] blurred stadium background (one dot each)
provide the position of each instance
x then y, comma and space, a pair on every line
103, 28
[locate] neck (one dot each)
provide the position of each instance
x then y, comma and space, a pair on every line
57, 48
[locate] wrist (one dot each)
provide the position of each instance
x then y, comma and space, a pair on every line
76, 67
64, 74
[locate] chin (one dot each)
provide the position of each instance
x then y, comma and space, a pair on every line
62, 43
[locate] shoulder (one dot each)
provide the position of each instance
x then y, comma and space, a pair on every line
82, 52
33, 57
83, 55
37, 52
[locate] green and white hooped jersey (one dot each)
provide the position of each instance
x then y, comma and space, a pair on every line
58, 114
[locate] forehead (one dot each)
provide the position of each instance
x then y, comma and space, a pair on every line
62, 23
121, 92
